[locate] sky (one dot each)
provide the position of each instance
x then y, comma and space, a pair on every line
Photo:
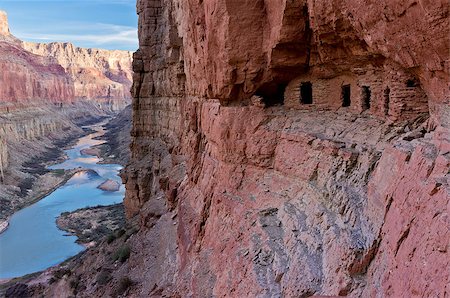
105, 24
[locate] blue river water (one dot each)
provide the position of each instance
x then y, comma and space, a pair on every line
32, 241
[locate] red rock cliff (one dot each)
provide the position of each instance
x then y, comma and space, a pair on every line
101, 75
25, 77
285, 149
61, 72
291, 148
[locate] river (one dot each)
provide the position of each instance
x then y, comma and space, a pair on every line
32, 241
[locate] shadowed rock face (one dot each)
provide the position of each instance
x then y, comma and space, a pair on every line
295, 199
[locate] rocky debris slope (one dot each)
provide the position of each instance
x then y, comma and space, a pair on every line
116, 148
285, 149
61, 72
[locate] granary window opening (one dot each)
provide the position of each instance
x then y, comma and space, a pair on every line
345, 96
306, 93
411, 83
366, 94
386, 99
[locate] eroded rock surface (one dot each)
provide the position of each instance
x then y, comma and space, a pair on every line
100, 75
110, 185
61, 73
287, 149
277, 188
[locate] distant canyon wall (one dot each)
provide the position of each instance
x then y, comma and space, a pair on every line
103, 75
61, 73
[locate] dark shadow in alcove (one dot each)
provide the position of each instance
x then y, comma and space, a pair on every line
272, 94
387, 94
411, 83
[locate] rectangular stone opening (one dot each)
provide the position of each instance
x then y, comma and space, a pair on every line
345, 96
411, 83
366, 94
386, 99
306, 93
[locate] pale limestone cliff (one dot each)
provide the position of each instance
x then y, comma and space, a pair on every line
4, 26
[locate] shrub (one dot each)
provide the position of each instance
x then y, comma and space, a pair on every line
122, 254
58, 172
103, 277
111, 237
59, 273
120, 233
124, 284
74, 283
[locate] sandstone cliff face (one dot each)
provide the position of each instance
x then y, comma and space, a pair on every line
62, 73
286, 149
4, 27
100, 75
25, 77
250, 190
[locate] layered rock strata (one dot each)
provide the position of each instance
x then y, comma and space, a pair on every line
297, 156
100, 75
286, 149
61, 73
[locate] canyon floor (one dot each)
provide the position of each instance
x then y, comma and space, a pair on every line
91, 225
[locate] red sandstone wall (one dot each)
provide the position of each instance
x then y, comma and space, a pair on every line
25, 77
238, 199
292, 200
60, 72
99, 75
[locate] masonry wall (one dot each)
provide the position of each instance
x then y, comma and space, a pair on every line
394, 94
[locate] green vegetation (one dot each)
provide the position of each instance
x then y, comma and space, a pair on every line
120, 232
59, 273
110, 238
122, 254
58, 172
103, 277
124, 284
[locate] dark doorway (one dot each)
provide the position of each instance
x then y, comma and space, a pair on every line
346, 96
387, 93
306, 93
366, 93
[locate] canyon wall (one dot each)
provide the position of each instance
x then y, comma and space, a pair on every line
292, 148
61, 73
284, 149
26, 77
101, 75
